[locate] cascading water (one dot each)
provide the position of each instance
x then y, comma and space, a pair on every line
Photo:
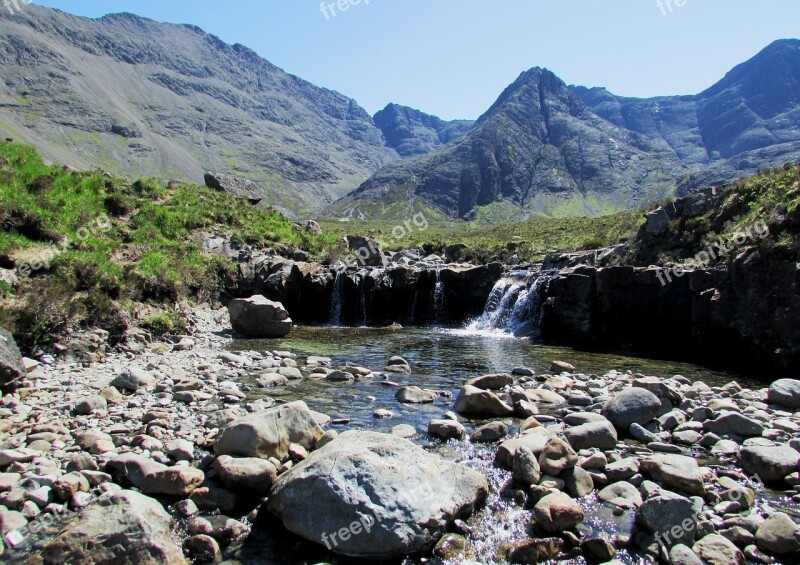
438, 298
336, 299
514, 305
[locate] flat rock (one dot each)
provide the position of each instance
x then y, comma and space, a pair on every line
472, 400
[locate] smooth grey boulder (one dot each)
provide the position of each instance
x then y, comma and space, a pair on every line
622, 494
785, 392
446, 429
599, 434
734, 423
258, 317
387, 496
242, 188
779, 534
415, 395
491, 382
132, 379
557, 512
632, 406
366, 252
246, 473
11, 368
714, 549
665, 514
472, 400
122, 527
268, 433
771, 464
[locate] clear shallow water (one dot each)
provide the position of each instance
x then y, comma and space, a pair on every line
441, 359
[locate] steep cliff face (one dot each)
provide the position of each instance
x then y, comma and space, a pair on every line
411, 132
141, 98
547, 148
540, 148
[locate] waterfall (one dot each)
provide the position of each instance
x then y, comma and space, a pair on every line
336, 299
515, 304
362, 297
438, 297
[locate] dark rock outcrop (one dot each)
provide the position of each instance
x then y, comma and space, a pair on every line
11, 369
242, 188
411, 132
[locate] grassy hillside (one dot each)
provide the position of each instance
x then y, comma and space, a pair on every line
529, 240
87, 246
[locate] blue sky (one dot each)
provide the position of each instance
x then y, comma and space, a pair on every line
453, 58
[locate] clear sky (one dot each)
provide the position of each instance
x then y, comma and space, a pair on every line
452, 58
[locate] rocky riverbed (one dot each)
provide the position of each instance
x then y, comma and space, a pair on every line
183, 450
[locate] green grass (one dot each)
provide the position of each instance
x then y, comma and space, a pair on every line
530, 240
92, 236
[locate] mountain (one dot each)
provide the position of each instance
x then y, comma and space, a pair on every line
411, 132
548, 148
538, 147
136, 97
748, 120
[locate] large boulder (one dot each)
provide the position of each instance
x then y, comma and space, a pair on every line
472, 400
11, 368
122, 527
779, 534
268, 433
632, 406
373, 495
664, 515
366, 252
258, 317
771, 464
600, 434
557, 512
243, 188
785, 392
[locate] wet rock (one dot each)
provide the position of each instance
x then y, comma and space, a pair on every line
779, 534
557, 512
202, 550
716, 550
446, 429
268, 433
621, 494
671, 516
785, 392
415, 395
771, 464
598, 548
683, 555
213, 499
536, 551
491, 382
120, 527
632, 406
450, 547
488, 433
403, 496
558, 367
534, 439
557, 456
400, 430
600, 434
472, 400
578, 482
526, 469
257, 317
